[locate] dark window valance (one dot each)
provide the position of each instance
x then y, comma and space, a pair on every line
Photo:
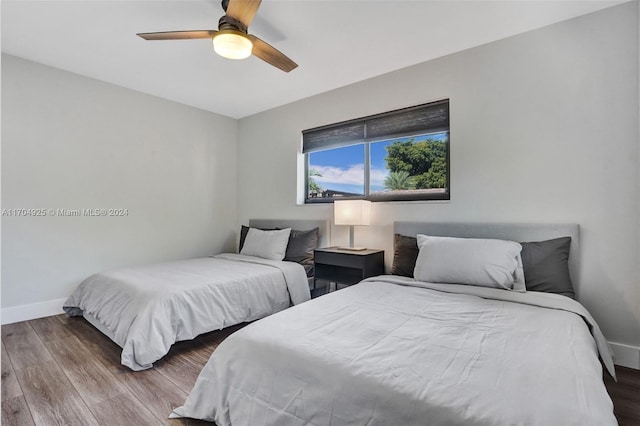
420, 119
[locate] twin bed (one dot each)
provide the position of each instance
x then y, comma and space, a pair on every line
147, 309
403, 350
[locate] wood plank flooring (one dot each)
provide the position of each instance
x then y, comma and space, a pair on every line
61, 370
625, 395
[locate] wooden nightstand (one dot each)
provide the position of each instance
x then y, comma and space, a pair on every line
346, 267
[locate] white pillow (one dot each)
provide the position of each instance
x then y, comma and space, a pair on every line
266, 244
474, 261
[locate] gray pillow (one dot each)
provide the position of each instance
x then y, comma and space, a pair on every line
472, 261
405, 253
270, 245
243, 235
301, 247
546, 266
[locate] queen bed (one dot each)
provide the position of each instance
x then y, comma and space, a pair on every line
148, 308
402, 350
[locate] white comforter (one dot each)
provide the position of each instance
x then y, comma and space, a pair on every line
147, 309
393, 351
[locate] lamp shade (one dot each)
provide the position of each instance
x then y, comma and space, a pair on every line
352, 212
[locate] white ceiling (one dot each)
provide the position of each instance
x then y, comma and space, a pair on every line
335, 43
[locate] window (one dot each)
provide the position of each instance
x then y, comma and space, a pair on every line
394, 156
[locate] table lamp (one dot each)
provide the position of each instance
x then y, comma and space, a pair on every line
351, 212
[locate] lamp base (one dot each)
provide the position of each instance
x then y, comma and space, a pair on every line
352, 248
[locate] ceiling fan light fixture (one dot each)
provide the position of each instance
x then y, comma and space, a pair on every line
232, 44
231, 39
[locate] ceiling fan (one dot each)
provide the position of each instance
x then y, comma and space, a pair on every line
231, 39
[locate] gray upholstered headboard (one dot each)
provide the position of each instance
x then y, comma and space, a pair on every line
520, 232
299, 224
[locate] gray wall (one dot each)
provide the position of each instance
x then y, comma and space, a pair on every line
70, 142
544, 128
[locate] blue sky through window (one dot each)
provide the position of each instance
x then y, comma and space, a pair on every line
342, 169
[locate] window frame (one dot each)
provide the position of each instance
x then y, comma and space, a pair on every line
381, 196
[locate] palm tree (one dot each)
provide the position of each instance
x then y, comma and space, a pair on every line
314, 188
399, 180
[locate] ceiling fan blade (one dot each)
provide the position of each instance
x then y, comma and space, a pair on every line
243, 10
271, 55
178, 35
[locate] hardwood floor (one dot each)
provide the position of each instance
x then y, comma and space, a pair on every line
625, 395
61, 370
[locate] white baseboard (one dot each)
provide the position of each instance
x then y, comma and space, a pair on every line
31, 311
626, 355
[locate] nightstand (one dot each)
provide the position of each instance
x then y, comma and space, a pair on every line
347, 267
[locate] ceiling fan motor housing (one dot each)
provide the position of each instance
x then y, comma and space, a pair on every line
228, 23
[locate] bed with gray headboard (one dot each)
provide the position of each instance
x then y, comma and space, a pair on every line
398, 350
146, 309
